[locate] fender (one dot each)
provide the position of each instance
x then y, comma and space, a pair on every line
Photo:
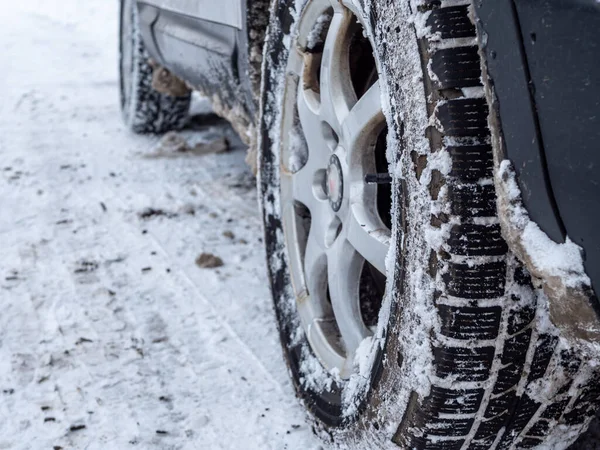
542, 65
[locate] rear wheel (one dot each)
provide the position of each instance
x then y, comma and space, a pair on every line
404, 318
144, 109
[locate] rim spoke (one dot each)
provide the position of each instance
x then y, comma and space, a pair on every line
294, 234
295, 62
319, 335
364, 121
301, 187
337, 93
318, 156
318, 153
369, 236
344, 266
313, 308
315, 274
336, 4
298, 186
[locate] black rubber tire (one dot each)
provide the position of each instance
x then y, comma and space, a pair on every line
144, 109
491, 348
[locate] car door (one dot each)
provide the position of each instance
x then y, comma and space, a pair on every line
201, 41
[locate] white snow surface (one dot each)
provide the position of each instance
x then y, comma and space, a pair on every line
110, 336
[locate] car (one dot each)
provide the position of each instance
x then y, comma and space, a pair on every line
428, 177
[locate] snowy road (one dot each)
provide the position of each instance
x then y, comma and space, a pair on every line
110, 336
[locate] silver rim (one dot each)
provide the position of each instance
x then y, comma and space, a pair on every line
331, 130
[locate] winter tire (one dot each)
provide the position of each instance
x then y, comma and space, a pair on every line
144, 109
405, 320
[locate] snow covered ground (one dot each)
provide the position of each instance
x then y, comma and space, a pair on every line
110, 336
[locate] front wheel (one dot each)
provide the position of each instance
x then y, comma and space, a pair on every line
144, 109
404, 318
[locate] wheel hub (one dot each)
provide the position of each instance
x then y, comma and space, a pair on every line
335, 183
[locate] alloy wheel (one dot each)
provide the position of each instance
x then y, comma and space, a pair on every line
336, 225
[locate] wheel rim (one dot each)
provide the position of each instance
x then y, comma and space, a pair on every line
334, 223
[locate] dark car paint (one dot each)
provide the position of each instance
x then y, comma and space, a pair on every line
563, 50
541, 57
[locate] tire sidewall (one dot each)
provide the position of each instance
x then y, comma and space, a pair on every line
124, 16
144, 109
130, 103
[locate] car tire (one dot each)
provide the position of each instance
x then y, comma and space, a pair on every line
144, 109
462, 355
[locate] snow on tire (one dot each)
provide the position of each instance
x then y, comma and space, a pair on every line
463, 355
144, 109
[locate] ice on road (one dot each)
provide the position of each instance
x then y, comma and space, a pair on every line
111, 337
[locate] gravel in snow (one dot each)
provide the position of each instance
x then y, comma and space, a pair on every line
110, 336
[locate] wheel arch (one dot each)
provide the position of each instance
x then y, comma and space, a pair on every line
540, 59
